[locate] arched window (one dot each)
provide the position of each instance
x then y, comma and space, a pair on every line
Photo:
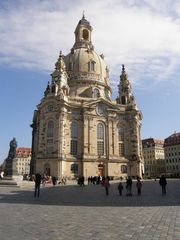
50, 135
123, 168
96, 93
85, 34
74, 138
91, 66
121, 134
74, 168
50, 129
100, 139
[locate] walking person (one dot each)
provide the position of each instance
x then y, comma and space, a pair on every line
107, 185
120, 188
163, 183
129, 186
139, 186
54, 180
44, 180
2, 175
37, 184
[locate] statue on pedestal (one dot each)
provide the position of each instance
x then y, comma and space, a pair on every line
10, 165
12, 150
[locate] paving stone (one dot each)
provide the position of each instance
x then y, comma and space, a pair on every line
71, 212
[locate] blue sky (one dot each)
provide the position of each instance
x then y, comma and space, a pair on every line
142, 34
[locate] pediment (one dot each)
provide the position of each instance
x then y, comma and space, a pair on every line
107, 104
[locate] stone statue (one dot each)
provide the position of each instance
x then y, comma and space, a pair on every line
12, 150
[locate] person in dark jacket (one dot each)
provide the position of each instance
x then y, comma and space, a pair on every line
129, 186
163, 183
37, 184
107, 185
54, 180
120, 188
138, 186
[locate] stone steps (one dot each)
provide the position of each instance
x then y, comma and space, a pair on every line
4, 183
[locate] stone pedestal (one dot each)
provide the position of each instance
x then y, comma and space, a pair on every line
10, 168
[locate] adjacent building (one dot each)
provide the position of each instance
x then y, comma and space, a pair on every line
78, 129
172, 155
154, 159
23, 159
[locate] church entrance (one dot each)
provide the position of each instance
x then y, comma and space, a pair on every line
101, 169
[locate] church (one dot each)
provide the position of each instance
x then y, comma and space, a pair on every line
77, 128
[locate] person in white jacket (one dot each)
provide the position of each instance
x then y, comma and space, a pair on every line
2, 174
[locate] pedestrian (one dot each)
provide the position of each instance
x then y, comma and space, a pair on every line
107, 185
81, 181
139, 186
129, 186
37, 184
44, 180
54, 180
163, 183
2, 175
120, 188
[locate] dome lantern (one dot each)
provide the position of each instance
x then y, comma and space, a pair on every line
83, 34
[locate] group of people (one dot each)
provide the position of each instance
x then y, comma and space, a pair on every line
95, 180
129, 187
162, 183
105, 183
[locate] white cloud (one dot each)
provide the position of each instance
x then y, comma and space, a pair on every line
144, 35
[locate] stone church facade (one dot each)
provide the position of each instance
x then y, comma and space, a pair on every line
77, 128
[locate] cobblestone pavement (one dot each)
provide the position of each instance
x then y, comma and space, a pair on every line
71, 212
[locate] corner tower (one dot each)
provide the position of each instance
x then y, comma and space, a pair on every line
124, 88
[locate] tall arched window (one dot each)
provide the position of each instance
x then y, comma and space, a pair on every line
100, 139
50, 129
121, 134
96, 93
50, 135
74, 138
85, 34
91, 66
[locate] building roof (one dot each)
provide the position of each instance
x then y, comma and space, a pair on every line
152, 142
23, 151
172, 140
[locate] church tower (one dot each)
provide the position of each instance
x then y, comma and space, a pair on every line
124, 87
78, 129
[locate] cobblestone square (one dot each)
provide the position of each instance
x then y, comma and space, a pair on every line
73, 212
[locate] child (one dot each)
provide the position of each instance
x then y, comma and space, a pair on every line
120, 188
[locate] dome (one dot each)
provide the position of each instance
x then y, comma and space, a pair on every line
85, 68
86, 65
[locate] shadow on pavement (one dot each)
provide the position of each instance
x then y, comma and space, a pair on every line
73, 195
